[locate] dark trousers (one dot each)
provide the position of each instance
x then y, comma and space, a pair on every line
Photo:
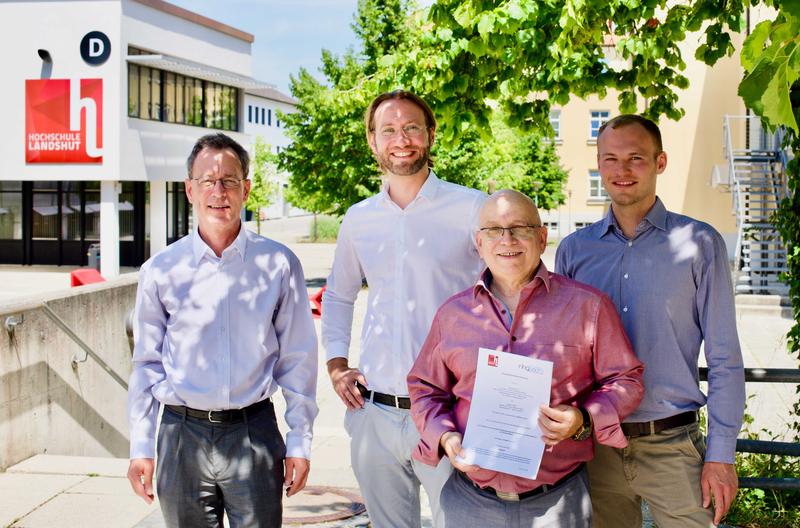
206, 469
565, 506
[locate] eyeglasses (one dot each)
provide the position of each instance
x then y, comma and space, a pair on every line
410, 131
520, 232
210, 183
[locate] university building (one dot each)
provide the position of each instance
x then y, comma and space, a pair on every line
102, 101
699, 180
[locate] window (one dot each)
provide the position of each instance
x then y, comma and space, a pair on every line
596, 189
11, 210
269, 117
552, 229
555, 122
172, 98
581, 225
249, 113
598, 117
277, 121
262, 116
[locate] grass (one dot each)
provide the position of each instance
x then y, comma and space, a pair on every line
327, 229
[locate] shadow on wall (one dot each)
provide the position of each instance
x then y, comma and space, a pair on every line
29, 419
46, 404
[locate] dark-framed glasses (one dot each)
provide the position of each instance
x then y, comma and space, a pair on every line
520, 232
210, 183
412, 130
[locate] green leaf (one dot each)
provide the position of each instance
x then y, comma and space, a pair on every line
753, 45
477, 47
515, 11
486, 24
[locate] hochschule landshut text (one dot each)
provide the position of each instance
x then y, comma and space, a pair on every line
55, 141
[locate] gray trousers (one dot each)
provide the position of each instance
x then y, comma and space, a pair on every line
565, 506
206, 469
382, 439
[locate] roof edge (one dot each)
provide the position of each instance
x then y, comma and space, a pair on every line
196, 18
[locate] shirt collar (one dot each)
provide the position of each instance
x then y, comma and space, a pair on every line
656, 216
200, 248
485, 281
428, 190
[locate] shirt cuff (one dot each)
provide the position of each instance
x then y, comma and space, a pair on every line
336, 350
143, 448
429, 451
606, 426
298, 446
721, 449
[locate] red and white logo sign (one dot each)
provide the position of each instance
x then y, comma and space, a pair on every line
493, 360
64, 121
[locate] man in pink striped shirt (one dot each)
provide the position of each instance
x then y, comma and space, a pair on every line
519, 307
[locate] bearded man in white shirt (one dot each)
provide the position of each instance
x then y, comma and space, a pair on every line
413, 244
221, 322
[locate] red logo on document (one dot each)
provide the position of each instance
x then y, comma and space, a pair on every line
64, 121
493, 360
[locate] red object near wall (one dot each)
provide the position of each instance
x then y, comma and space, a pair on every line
316, 303
82, 276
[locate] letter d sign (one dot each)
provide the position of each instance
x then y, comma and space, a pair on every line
95, 48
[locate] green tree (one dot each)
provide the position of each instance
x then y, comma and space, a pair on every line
771, 58
330, 163
263, 183
329, 160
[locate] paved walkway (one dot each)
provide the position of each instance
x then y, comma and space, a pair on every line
55, 491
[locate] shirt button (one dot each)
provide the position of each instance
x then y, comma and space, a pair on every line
625, 276
625, 309
502, 311
630, 243
513, 338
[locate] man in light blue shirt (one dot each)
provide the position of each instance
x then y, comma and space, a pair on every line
668, 275
221, 322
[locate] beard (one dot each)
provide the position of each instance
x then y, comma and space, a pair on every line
402, 168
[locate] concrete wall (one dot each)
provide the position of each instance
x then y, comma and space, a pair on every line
46, 406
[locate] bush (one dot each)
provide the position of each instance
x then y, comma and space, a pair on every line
327, 229
757, 508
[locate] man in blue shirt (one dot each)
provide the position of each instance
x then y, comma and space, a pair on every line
668, 275
221, 324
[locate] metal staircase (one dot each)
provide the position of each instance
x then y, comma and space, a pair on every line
755, 166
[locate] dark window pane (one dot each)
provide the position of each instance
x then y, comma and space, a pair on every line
92, 217
169, 97
133, 90
145, 105
10, 185
180, 110
155, 94
11, 215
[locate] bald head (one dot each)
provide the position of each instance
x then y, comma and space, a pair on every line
511, 239
507, 202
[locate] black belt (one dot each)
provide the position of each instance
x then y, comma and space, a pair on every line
386, 399
514, 497
224, 417
632, 430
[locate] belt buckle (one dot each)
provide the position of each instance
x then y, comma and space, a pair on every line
507, 496
211, 418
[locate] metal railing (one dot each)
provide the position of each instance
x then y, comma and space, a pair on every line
767, 447
13, 317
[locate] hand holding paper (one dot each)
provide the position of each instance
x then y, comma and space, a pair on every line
451, 443
502, 430
558, 423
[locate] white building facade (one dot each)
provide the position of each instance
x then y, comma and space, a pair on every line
102, 101
262, 118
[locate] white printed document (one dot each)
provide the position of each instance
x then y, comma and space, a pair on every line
502, 431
